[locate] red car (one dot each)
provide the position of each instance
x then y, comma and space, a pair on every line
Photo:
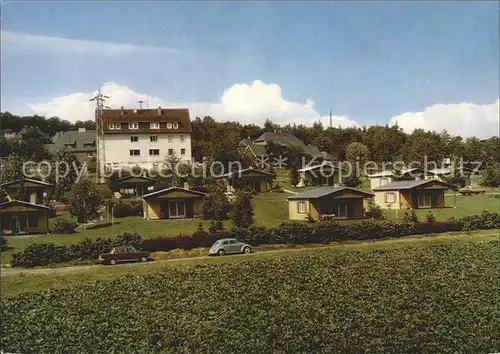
124, 254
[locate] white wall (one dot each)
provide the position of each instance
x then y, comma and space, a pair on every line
118, 146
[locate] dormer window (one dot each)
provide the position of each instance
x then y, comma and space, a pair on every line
118, 126
154, 125
176, 125
133, 125
169, 125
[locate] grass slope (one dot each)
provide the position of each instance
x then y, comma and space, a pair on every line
270, 210
423, 297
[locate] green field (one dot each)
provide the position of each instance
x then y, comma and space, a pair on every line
428, 295
270, 210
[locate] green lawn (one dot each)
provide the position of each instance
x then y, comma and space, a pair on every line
270, 210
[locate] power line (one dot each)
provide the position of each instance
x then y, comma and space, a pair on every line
99, 99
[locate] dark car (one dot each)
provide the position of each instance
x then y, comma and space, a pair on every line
124, 254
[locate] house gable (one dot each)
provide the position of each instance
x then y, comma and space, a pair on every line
174, 192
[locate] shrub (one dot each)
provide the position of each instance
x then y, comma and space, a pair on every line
124, 208
62, 226
3, 243
374, 211
430, 217
63, 200
436, 227
48, 253
40, 254
410, 216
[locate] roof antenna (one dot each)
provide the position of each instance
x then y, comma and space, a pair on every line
330, 118
140, 104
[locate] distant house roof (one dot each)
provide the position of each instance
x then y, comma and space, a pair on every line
6, 184
410, 184
166, 190
5, 130
321, 192
245, 142
160, 115
386, 173
32, 129
410, 170
441, 171
76, 141
243, 171
144, 179
313, 167
14, 202
257, 150
283, 139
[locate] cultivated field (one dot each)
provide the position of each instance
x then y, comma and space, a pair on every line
415, 295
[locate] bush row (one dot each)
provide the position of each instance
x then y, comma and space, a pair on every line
41, 254
292, 233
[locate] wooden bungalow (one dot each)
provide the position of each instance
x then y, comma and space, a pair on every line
18, 218
134, 185
257, 180
336, 202
29, 190
412, 194
323, 174
172, 203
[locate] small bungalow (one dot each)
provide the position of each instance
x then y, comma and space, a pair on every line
18, 218
323, 174
443, 174
254, 178
337, 202
134, 185
172, 203
35, 191
412, 194
381, 178
414, 173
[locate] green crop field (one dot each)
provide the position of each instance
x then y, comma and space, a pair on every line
424, 297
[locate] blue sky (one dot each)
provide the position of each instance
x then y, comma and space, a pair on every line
368, 61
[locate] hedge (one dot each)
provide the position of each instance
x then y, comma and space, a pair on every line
286, 233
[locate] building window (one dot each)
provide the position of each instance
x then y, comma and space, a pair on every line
301, 207
183, 151
135, 152
390, 197
154, 152
153, 138
111, 126
134, 139
33, 220
170, 151
182, 138
170, 139
154, 125
133, 125
89, 154
176, 125
169, 125
118, 126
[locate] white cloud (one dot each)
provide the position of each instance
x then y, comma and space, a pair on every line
12, 41
245, 103
465, 119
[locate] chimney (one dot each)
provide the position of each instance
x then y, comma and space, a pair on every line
122, 113
159, 110
82, 130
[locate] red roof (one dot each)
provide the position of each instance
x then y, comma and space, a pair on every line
146, 116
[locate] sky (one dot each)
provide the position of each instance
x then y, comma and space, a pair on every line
430, 65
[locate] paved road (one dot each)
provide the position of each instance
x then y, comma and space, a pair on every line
61, 270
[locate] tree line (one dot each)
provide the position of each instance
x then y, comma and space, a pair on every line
219, 140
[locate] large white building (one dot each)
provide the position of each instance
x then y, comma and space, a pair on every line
146, 137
